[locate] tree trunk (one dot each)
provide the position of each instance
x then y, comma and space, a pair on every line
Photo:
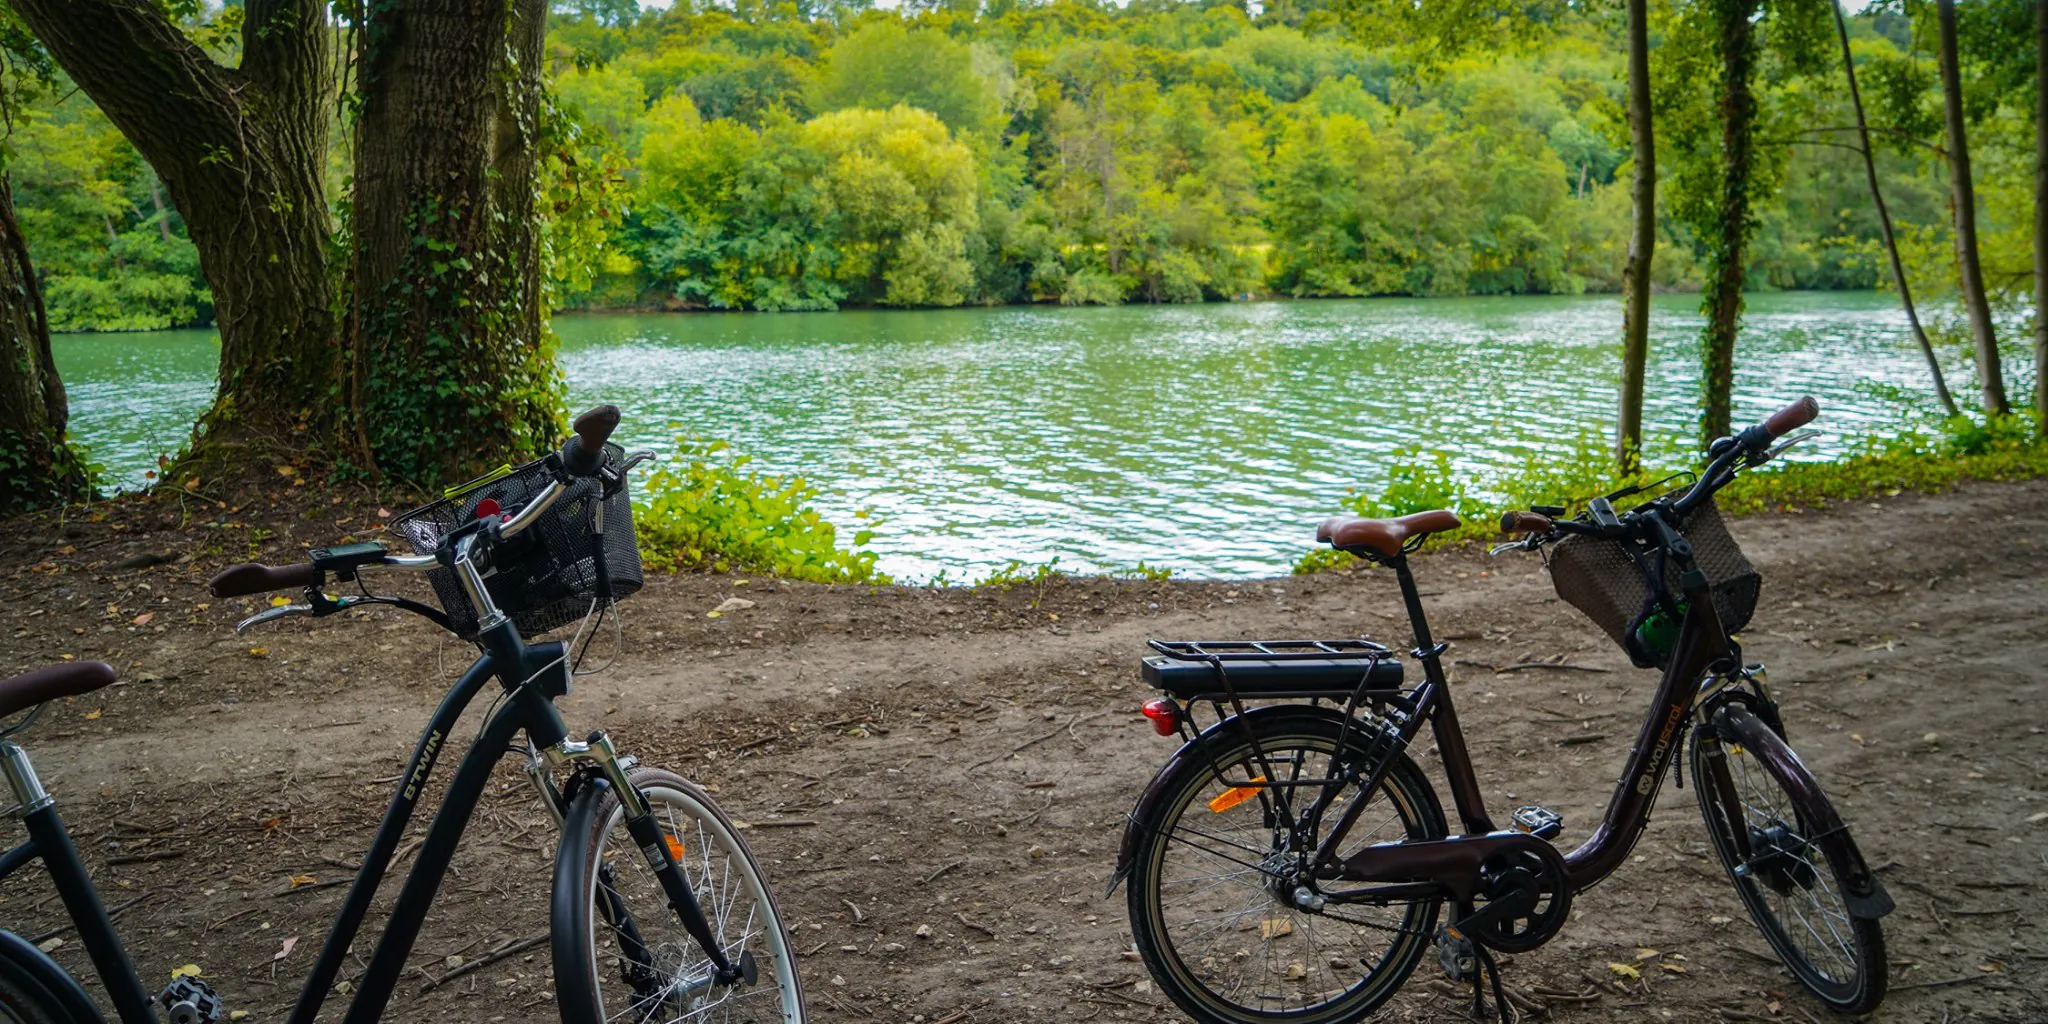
36, 466
1971, 271
241, 152
1642, 245
446, 320
1884, 218
1727, 256
2041, 213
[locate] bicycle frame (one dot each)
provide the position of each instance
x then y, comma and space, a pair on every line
1703, 648
532, 676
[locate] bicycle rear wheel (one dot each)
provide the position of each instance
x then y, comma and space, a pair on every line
1210, 897
1790, 858
621, 954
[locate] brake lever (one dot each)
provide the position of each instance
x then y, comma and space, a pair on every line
1529, 543
273, 614
1788, 441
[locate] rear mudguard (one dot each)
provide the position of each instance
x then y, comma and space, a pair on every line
1863, 895
1196, 751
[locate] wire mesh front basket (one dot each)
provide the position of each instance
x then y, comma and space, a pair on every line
546, 577
1598, 577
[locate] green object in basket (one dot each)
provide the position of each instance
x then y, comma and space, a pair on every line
499, 473
1659, 632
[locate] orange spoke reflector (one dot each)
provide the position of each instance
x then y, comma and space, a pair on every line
675, 848
1235, 795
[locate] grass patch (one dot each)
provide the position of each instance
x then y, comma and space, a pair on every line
1958, 449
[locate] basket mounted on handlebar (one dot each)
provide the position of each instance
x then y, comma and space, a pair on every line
546, 577
1623, 588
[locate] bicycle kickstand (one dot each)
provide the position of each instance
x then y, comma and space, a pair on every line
1485, 969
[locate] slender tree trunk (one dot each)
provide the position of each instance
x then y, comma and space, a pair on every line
1727, 250
36, 467
1975, 304
446, 317
1884, 218
2041, 213
241, 151
1642, 245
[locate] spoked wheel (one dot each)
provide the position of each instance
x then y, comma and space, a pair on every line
621, 953
1787, 854
1213, 901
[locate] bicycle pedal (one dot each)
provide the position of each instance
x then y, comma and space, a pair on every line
190, 1001
1541, 822
1456, 955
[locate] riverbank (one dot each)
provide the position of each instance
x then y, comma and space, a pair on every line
929, 755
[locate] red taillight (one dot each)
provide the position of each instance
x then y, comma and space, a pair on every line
1165, 715
487, 508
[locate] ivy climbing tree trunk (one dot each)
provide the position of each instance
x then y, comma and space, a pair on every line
1642, 245
1727, 246
1990, 377
446, 319
241, 151
1884, 218
2041, 213
36, 466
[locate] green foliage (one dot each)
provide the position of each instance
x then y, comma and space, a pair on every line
704, 509
1952, 451
1015, 573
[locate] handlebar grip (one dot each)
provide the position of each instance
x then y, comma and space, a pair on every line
585, 451
1792, 417
1513, 521
250, 578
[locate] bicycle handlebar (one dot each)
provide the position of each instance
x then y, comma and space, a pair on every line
584, 452
251, 578
1513, 521
1792, 417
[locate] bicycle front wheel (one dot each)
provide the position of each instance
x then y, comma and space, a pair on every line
1789, 857
622, 954
1212, 902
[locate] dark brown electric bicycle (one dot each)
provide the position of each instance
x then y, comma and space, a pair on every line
1291, 861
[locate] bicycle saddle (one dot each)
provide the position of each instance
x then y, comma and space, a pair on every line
1384, 536
46, 684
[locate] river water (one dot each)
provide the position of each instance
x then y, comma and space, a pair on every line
1207, 439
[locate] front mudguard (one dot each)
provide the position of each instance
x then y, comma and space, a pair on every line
1197, 751
1863, 895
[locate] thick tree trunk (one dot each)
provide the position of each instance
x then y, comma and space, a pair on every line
446, 319
1971, 271
1727, 250
2041, 213
241, 151
1642, 245
1884, 218
36, 467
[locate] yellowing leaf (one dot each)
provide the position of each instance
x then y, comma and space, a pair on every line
1644, 952
1625, 970
260, 652
143, 619
93, 715
1673, 968
280, 601
187, 971
299, 880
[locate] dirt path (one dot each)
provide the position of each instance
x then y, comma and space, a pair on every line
967, 759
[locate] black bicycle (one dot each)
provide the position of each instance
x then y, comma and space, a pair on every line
1291, 861
659, 912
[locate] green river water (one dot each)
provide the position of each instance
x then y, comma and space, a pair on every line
1208, 439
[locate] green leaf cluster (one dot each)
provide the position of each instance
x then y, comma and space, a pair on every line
704, 508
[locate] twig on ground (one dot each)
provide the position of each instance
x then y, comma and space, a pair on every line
488, 959
65, 929
929, 879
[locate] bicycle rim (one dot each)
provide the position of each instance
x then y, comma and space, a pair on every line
1788, 881
1221, 939
736, 902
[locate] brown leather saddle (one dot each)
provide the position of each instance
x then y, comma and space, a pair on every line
1383, 537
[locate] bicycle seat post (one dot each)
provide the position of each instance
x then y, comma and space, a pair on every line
1425, 645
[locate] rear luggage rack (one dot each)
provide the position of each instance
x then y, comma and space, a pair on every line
1268, 650
1273, 669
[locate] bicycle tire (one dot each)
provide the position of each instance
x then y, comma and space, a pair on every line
1281, 733
35, 990
1780, 806
725, 875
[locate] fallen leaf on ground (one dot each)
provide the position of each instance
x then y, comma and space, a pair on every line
1624, 970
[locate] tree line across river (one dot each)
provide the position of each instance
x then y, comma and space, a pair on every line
381, 274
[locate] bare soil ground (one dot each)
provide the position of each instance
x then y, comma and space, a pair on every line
963, 760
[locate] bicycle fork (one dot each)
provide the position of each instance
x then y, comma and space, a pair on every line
598, 752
